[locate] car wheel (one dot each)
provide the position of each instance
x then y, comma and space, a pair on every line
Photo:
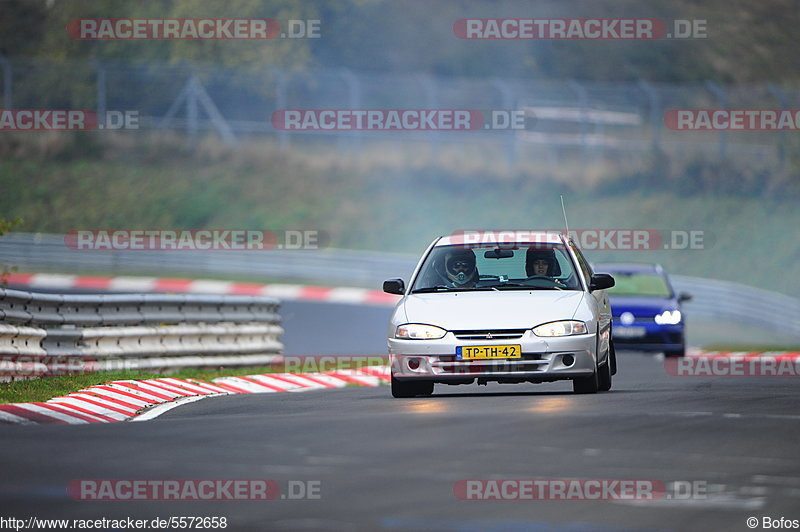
676, 352
402, 389
588, 384
425, 388
613, 357
591, 383
604, 376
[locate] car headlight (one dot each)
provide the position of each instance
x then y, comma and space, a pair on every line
560, 328
669, 317
419, 331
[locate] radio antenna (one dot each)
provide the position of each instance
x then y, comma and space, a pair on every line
564, 210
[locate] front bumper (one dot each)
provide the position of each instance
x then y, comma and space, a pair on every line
543, 359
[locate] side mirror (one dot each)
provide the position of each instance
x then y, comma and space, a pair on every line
683, 297
601, 281
394, 286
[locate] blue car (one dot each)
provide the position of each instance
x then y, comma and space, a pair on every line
646, 311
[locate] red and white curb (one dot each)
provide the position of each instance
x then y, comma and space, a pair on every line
287, 292
130, 400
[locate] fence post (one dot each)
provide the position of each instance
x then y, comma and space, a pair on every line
191, 111
721, 95
354, 101
431, 101
172, 112
655, 112
8, 76
199, 95
507, 104
100, 104
583, 99
781, 97
280, 104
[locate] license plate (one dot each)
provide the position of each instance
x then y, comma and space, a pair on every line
629, 332
482, 352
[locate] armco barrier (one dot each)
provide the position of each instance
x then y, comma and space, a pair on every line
48, 252
737, 303
45, 334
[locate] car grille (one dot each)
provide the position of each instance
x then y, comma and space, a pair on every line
659, 337
496, 334
637, 319
448, 365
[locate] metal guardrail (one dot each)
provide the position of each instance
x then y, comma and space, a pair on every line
47, 252
712, 299
46, 334
740, 303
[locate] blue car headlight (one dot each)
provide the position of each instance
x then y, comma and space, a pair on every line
669, 317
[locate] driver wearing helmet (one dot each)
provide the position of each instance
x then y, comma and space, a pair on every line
460, 268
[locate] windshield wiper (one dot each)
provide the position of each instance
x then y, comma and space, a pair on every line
440, 288
524, 286
431, 289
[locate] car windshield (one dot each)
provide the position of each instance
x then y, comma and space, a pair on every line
640, 284
522, 266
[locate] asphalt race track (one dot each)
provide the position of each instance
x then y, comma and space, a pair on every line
334, 328
392, 464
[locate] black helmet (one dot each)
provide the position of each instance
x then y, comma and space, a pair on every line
459, 265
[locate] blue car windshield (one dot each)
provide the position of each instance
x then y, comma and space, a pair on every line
521, 266
640, 284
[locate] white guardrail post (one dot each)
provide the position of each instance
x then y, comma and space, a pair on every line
49, 334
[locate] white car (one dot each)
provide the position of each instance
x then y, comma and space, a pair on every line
508, 307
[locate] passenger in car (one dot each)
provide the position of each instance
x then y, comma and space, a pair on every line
542, 263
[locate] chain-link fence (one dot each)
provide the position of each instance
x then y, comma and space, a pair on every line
563, 119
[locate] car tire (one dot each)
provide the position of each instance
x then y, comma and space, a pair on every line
588, 384
425, 388
591, 383
675, 353
613, 358
604, 376
404, 389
